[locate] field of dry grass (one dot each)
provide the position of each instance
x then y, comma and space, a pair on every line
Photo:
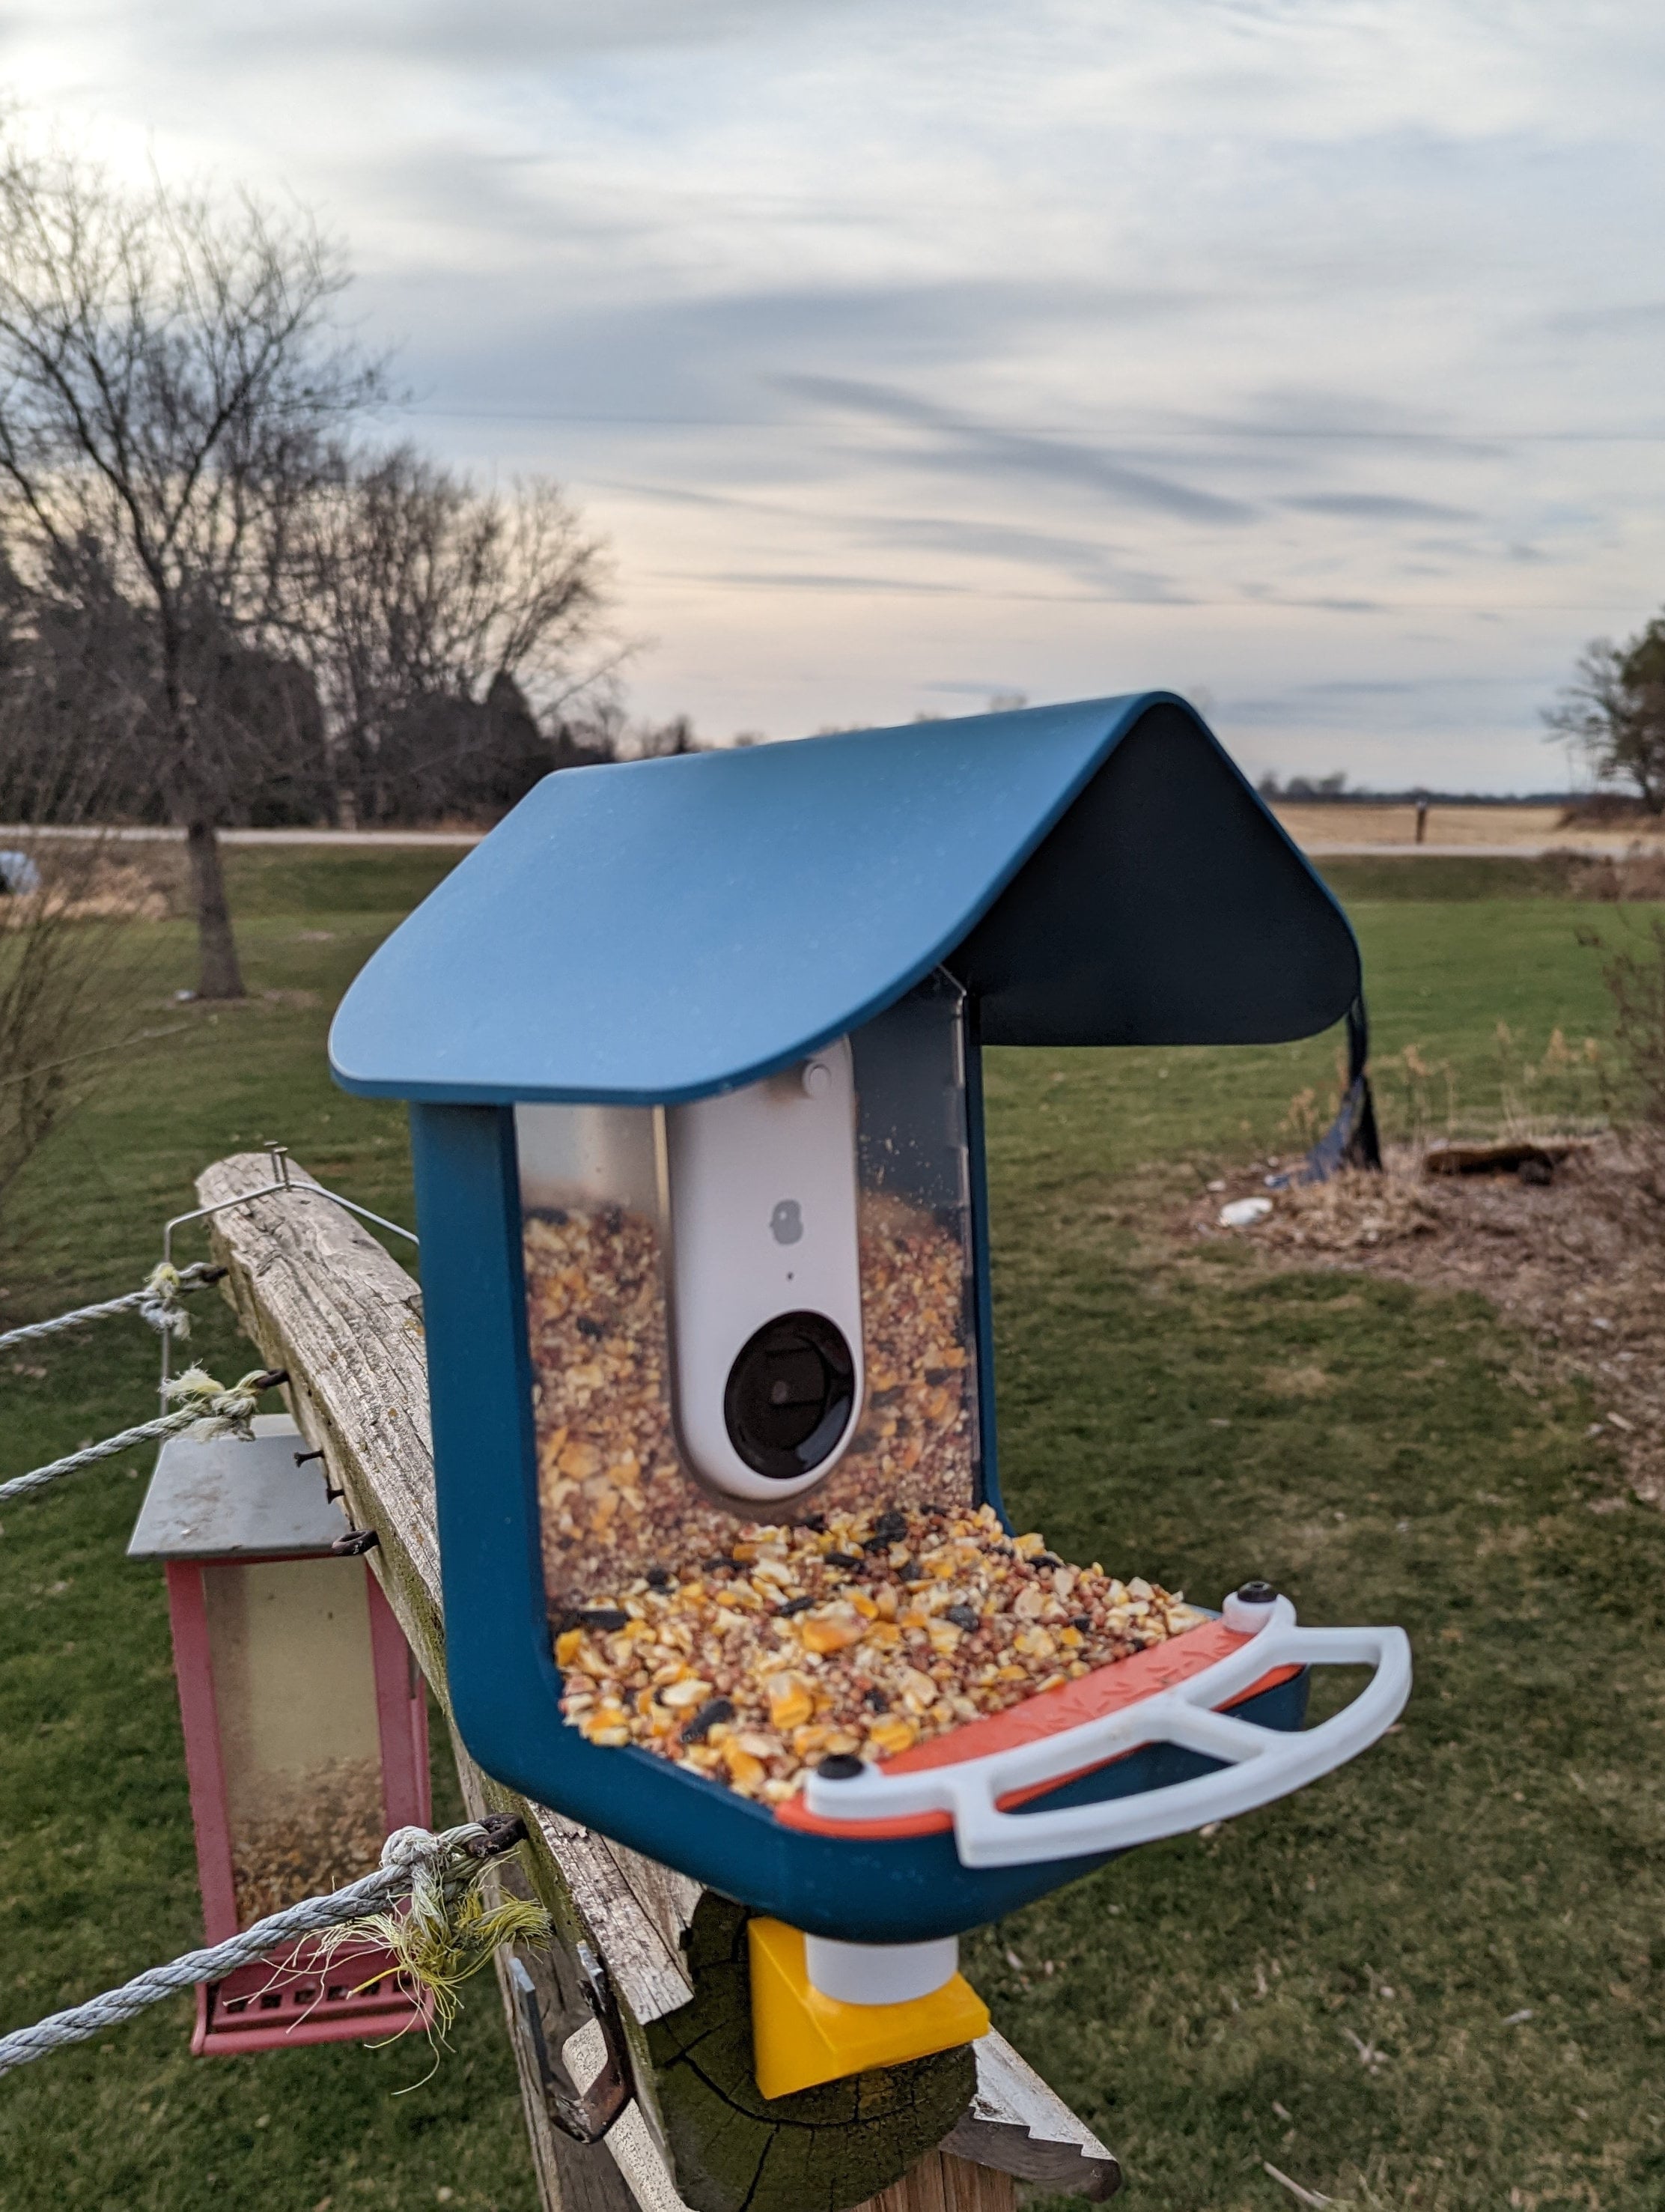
1506, 829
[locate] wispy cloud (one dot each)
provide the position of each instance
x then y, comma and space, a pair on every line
1377, 506
948, 441
1622, 319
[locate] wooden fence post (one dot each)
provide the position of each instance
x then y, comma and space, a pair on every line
323, 1299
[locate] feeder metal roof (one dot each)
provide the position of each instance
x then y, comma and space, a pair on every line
235, 1498
658, 931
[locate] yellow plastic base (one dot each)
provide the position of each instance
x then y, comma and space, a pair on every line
799, 2037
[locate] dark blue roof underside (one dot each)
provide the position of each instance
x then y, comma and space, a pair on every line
661, 930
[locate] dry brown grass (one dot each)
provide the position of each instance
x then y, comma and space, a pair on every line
68, 964
1525, 826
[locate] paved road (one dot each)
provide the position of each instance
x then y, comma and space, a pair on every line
158, 836
1618, 850
460, 840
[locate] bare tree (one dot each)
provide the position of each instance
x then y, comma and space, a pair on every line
1614, 712
601, 730
172, 384
435, 618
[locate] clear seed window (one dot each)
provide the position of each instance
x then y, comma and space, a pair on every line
699, 1363
295, 1689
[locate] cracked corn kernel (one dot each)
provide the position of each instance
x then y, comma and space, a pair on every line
789, 1701
887, 1737
918, 1690
691, 1691
833, 1632
746, 1772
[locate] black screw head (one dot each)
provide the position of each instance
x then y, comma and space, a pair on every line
840, 1766
1257, 1593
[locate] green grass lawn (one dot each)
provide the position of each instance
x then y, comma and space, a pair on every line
1380, 1452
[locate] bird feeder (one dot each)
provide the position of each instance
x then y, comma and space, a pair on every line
692, 1048
304, 1722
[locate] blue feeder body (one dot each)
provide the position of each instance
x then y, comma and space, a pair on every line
651, 935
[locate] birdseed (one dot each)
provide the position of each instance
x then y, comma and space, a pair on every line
327, 1830
864, 1636
617, 1503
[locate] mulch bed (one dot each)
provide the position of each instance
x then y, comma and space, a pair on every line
1578, 1260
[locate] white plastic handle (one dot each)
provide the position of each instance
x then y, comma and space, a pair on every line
1260, 1763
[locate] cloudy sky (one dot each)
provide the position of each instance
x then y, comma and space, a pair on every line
1298, 354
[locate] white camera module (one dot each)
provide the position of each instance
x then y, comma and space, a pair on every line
765, 1280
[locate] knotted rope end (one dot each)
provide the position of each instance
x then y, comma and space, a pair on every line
447, 1931
225, 1411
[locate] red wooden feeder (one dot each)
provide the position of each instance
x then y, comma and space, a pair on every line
306, 1728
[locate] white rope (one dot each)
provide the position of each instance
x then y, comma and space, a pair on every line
434, 1869
226, 1412
157, 1300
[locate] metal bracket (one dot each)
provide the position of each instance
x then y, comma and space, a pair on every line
503, 1831
585, 2115
282, 1185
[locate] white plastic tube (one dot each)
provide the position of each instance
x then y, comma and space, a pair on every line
879, 1974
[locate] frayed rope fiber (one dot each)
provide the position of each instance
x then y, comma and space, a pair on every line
447, 1931
157, 1300
226, 1413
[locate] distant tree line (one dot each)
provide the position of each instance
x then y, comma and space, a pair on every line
1610, 717
1336, 791
222, 600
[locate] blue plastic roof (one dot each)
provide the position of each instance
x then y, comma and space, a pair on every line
662, 930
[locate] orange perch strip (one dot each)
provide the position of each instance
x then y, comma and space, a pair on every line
1106, 1690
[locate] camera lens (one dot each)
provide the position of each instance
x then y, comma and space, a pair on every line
790, 1395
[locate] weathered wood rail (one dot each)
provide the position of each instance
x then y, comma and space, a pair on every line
323, 1299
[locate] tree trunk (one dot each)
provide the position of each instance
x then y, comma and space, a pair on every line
219, 976
341, 753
